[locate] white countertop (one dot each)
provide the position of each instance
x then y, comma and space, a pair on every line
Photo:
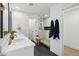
19, 42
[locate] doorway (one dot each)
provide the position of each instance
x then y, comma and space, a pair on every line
71, 31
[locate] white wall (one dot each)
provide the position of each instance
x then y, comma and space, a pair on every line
20, 20
29, 23
71, 27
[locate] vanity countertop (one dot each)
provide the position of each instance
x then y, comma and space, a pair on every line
19, 42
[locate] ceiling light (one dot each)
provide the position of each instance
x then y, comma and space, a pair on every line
45, 15
17, 7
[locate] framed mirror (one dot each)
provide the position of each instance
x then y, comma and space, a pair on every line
1, 20
5, 18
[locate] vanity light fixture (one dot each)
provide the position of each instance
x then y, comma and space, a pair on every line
2, 7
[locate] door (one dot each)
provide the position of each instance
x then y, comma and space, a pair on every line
56, 45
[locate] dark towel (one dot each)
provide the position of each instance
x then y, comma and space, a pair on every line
56, 29
51, 29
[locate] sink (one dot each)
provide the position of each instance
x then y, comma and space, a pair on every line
20, 45
18, 41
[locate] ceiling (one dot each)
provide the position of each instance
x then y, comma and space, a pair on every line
37, 8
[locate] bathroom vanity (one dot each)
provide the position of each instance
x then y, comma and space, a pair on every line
20, 46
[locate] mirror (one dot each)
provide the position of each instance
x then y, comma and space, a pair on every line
1, 20
4, 18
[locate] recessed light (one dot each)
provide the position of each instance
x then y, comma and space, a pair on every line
17, 7
31, 4
46, 15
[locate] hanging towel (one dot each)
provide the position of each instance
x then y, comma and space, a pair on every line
51, 29
56, 29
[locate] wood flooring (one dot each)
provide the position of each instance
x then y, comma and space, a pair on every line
70, 51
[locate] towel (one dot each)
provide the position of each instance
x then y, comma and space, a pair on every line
51, 29
56, 29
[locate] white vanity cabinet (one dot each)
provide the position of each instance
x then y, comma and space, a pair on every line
20, 46
23, 51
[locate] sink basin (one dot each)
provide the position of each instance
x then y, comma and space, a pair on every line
18, 41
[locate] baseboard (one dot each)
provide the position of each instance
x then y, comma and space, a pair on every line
71, 48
